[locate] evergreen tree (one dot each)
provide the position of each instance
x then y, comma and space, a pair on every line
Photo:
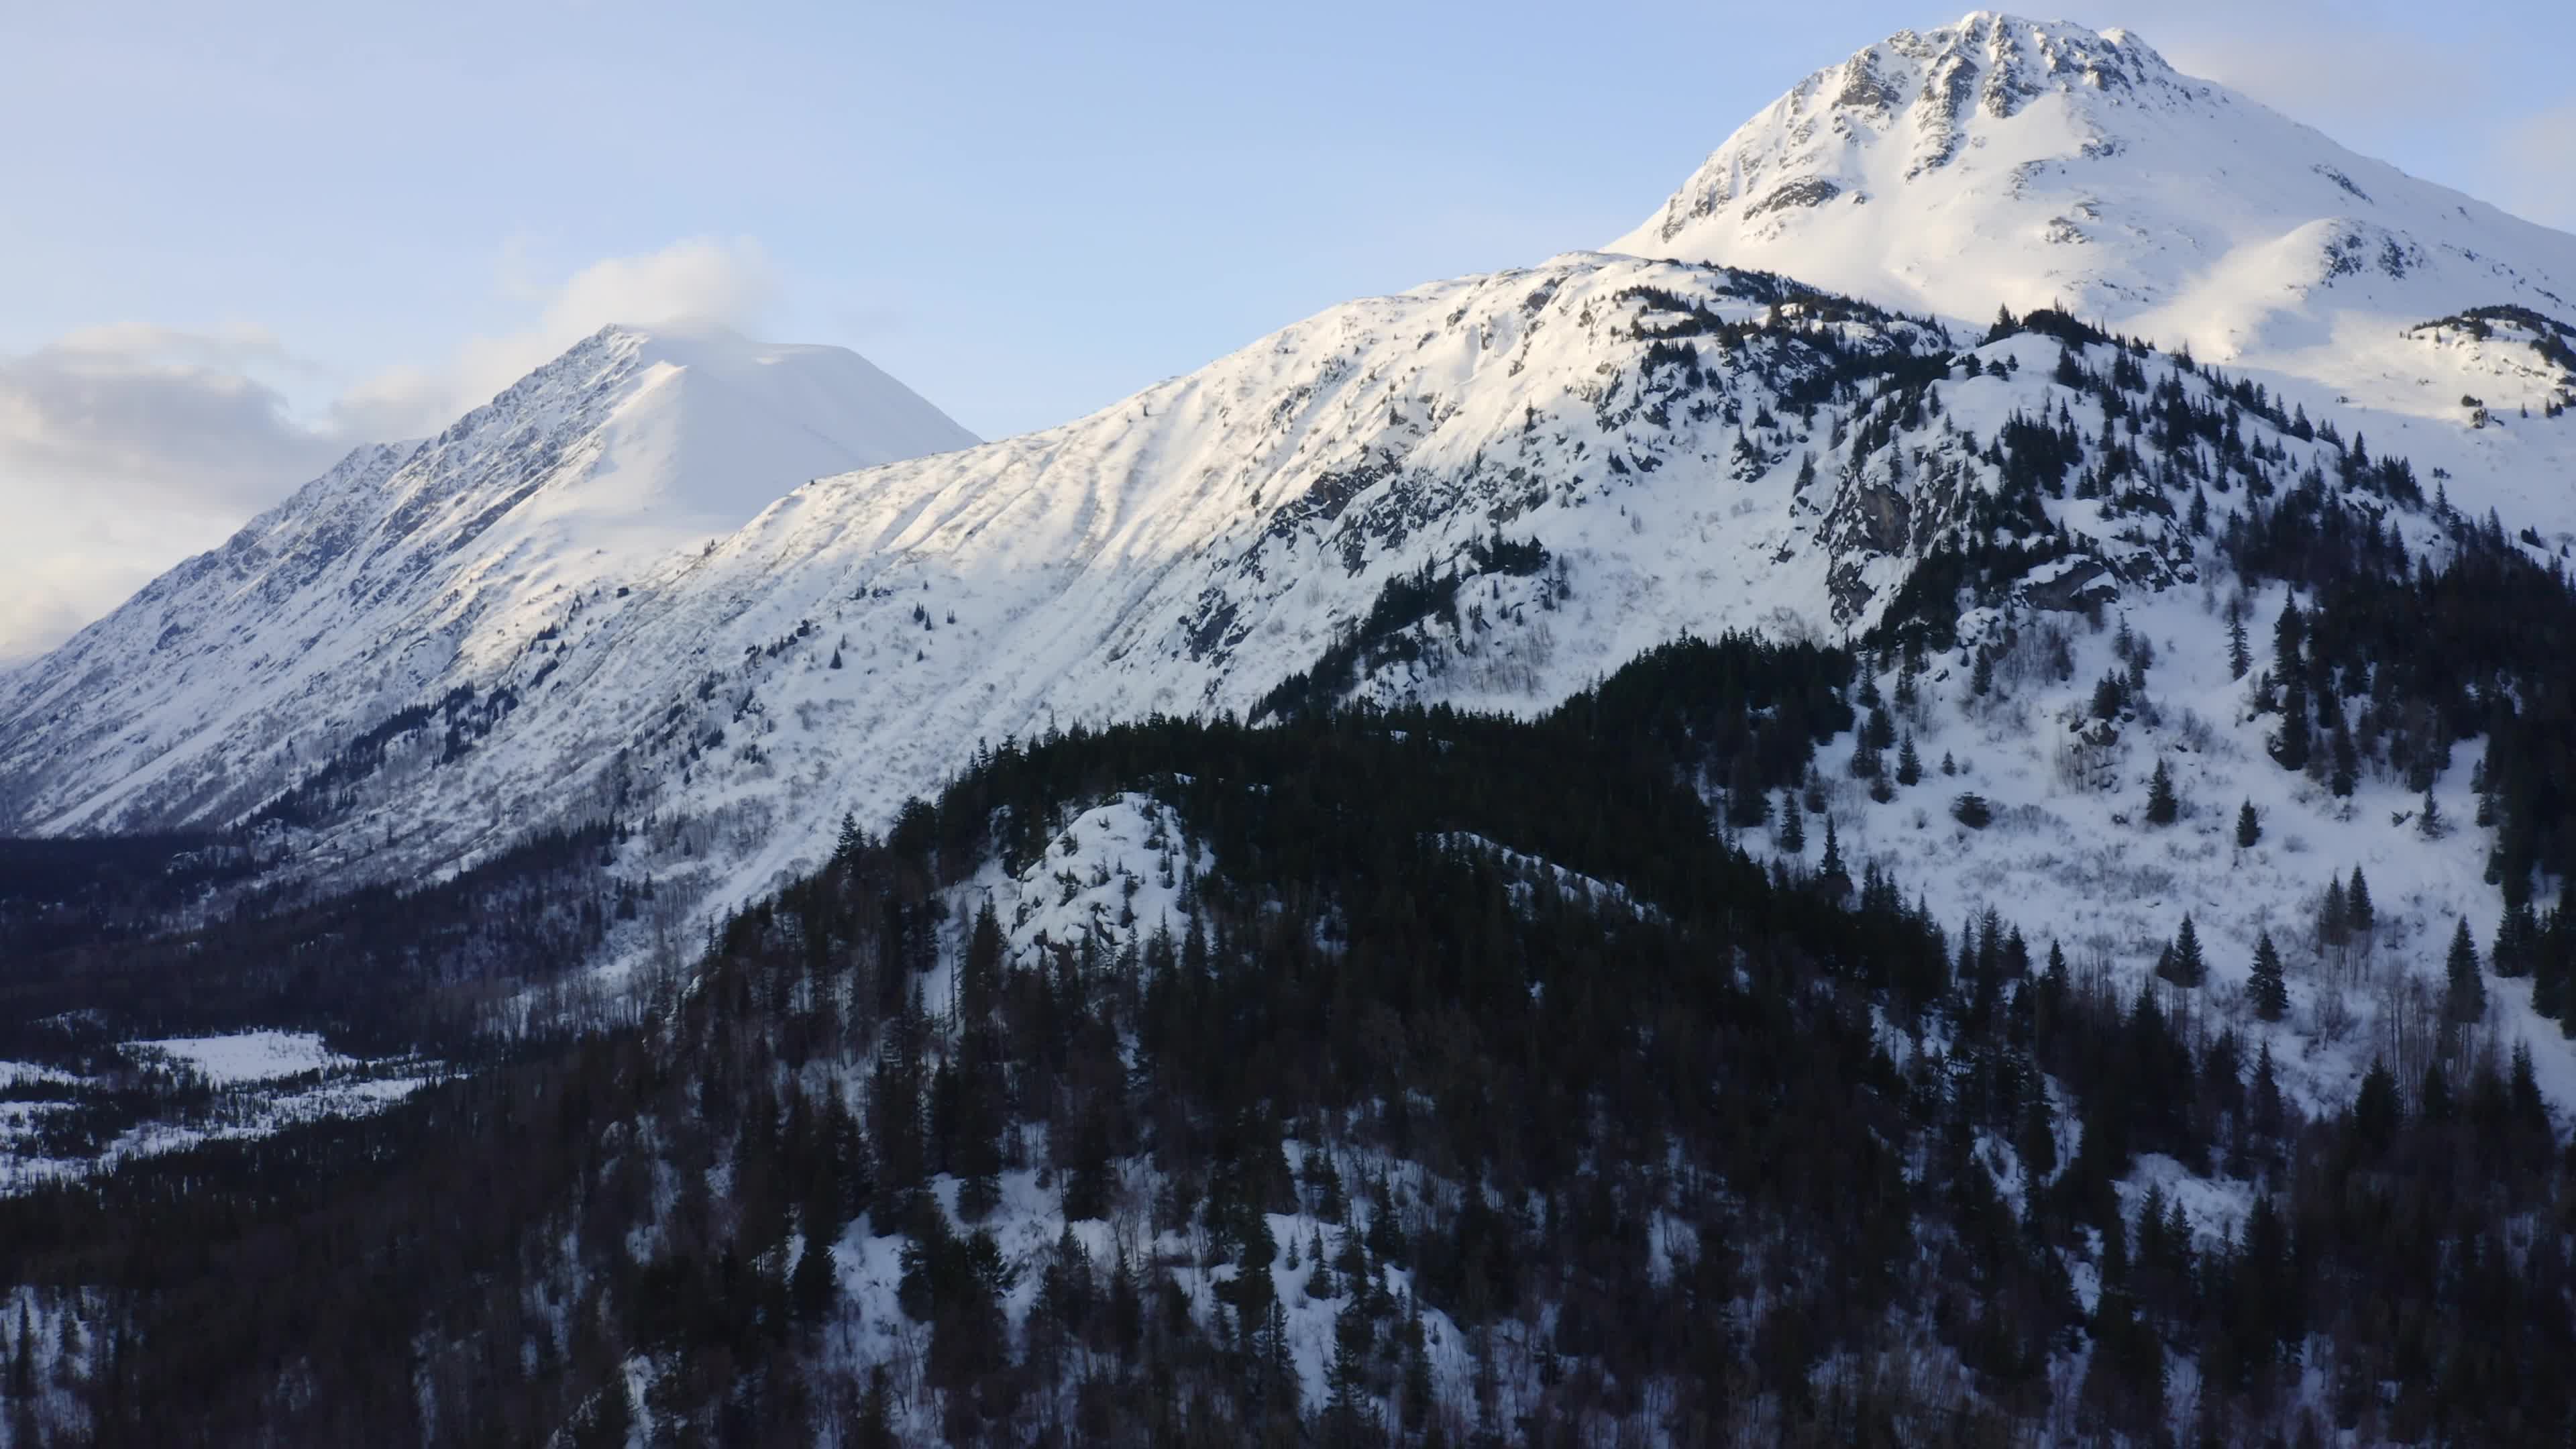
2263, 1110
2428, 820
2464, 996
1829, 871
873, 1426
2249, 826
2290, 743
2270, 991
2183, 964
2516, 938
1909, 766
2289, 631
2239, 657
2108, 695
810, 1287
2433, 1102
2334, 915
2376, 1114
2358, 912
2162, 807
1791, 836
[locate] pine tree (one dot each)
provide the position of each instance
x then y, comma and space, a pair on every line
2108, 695
873, 1427
2271, 992
1909, 766
1792, 833
2376, 1112
810, 1286
2515, 938
2433, 1095
2428, 821
2162, 807
1981, 680
1829, 871
2358, 912
2334, 915
853, 839
2464, 998
2055, 985
2263, 1111
2288, 631
2249, 826
2290, 743
2239, 657
1866, 763
2183, 964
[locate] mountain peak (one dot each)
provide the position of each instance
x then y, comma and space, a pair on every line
411, 568
2003, 161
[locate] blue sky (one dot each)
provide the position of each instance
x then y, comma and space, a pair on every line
301, 224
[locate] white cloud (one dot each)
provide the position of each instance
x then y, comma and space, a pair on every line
125, 448
121, 450
702, 281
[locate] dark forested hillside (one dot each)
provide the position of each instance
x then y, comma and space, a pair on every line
115, 929
1480, 1090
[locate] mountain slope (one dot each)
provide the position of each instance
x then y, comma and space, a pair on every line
409, 569
2003, 162
1643, 422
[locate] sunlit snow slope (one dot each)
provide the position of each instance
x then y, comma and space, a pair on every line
2010, 162
410, 570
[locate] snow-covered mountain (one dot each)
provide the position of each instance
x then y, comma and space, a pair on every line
2003, 162
1489, 491
411, 569
431, 673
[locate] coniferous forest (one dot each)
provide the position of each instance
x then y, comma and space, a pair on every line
1722, 1152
